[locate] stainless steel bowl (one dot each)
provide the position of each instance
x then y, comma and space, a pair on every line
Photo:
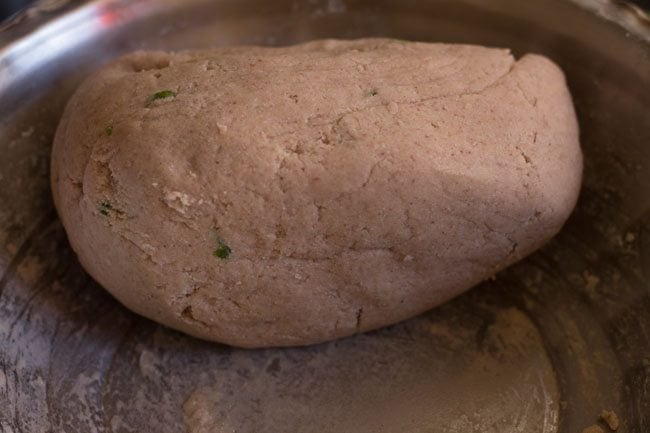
545, 347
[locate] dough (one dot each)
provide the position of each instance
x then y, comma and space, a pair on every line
288, 196
593, 429
611, 419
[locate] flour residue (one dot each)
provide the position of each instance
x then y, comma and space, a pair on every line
428, 373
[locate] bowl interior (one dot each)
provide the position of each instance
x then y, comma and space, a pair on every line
543, 348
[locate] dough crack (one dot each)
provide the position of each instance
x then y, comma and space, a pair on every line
188, 315
497, 81
359, 317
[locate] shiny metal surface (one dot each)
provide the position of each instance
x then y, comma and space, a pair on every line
543, 348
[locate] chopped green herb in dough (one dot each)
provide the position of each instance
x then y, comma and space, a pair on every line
163, 94
373, 92
223, 251
105, 207
109, 130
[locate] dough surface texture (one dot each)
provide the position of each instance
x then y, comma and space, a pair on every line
288, 196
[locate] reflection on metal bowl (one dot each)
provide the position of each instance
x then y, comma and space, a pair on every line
545, 347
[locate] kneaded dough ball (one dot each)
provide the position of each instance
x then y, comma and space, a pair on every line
288, 196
